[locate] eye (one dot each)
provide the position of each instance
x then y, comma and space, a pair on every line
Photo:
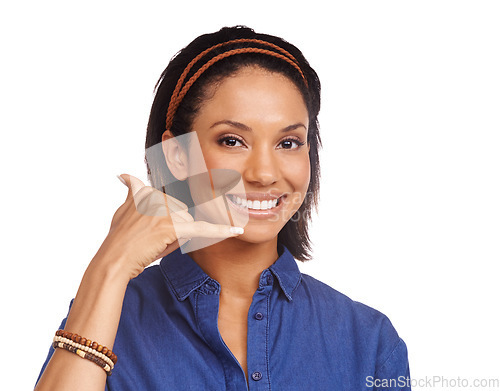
288, 143
230, 141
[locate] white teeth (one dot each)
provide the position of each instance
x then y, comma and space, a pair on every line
256, 205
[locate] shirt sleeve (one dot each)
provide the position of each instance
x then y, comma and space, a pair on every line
51, 349
394, 373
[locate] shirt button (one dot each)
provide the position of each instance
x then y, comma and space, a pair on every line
258, 315
256, 376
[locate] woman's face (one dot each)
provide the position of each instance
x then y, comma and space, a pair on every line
256, 123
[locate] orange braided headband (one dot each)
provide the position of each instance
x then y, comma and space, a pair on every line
179, 93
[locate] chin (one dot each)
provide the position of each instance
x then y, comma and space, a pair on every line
258, 234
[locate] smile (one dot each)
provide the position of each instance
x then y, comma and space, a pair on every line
255, 204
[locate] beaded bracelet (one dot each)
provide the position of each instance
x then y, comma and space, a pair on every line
82, 354
86, 348
88, 343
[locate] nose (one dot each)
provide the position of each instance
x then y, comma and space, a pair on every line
262, 166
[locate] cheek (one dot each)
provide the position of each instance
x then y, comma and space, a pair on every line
217, 161
213, 157
206, 157
298, 173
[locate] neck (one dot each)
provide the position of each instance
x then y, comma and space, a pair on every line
236, 265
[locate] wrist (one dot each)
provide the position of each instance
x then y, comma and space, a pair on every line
112, 266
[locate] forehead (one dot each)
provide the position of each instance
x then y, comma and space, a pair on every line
253, 91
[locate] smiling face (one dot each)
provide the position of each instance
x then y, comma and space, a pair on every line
256, 122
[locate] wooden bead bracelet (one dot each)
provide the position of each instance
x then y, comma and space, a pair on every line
86, 348
89, 343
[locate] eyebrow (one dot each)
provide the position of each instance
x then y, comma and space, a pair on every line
244, 127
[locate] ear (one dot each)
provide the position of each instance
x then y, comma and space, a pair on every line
175, 156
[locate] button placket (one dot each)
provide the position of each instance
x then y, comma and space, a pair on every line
258, 343
207, 309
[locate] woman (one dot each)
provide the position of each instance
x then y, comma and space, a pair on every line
233, 311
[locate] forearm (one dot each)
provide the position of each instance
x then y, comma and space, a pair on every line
95, 315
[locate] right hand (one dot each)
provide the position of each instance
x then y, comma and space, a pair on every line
145, 233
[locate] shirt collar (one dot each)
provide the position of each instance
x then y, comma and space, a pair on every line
286, 271
185, 275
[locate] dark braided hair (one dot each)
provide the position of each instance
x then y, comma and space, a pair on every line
181, 91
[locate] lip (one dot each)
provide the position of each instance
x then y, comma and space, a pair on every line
258, 214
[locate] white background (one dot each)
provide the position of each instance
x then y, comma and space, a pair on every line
409, 220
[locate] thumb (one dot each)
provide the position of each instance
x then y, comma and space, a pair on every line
134, 184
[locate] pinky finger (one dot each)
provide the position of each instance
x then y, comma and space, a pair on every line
202, 229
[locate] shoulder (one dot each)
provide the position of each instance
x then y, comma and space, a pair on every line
149, 278
361, 324
148, 285
329, 298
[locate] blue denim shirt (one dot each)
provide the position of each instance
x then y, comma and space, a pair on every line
302, 335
